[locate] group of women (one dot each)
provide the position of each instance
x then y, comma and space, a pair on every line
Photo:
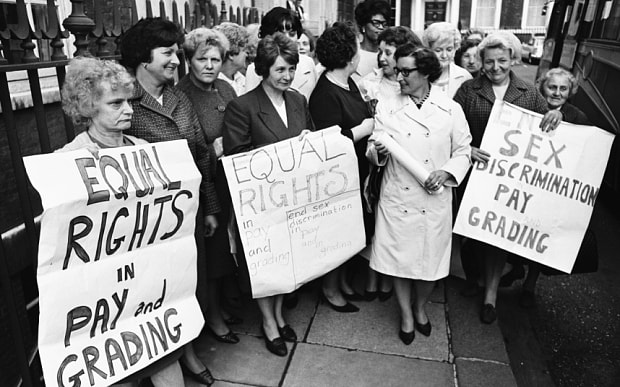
412, 92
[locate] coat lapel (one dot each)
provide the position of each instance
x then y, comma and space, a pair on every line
516, 88
269, 116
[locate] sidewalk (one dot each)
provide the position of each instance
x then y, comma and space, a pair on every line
363, 349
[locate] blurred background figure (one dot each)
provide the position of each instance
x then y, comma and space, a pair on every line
336, 100
413, 234
307, 44
467, 57
263, 116
235, 62
372, 17
280, 19
475, 35
444, 39
205, 51
163, 113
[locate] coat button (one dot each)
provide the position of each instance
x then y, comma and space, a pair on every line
406, 188
408, 134
427, 134
423, 212
405, 211
426, 161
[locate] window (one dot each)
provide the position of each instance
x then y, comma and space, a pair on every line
485, 13
535, 18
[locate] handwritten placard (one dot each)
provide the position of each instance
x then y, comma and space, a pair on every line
117, 260
536, 194
298, 208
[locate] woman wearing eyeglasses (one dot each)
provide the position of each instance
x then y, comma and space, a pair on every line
413, 229
372, 17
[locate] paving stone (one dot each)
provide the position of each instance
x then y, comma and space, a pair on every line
316, 365
470, 337
247, 362
375, 328
474, 373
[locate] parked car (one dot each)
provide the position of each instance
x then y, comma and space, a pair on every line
532, 47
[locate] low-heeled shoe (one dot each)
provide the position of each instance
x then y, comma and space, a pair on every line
229, 337
488, 314
370, 296
287, 333
384, 296
203, 377
406, 337
424, 329
353, 296
346, 308
276, 346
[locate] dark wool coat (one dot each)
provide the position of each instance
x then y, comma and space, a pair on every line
573, 115
175, 120
476, 97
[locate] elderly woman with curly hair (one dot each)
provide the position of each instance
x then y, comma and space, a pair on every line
467, 57
163, 113
205, 50
95, 96
444, 39
336, 100
235, 62
372, 17
498, 52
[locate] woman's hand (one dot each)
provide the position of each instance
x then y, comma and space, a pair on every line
551, 120
381, 149
303, 134
364, 129
436, 180
479, 155
219, 147
210, 225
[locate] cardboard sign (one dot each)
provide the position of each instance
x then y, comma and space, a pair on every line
298, 208
536, 194
117, 260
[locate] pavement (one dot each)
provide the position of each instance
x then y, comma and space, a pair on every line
363, 348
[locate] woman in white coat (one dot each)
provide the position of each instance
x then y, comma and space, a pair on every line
414, 219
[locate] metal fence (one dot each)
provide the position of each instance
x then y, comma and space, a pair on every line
41, 127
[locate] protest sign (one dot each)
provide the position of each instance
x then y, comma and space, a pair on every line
536, 194
298, 208
117, 260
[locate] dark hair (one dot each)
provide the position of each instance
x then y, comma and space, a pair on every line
277, 20
397, 36
146, 35
465, 45
425, 60
272, 46
365, 10
337, 45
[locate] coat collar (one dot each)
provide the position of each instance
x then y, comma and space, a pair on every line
270, 117
170, 100
484, 87
435, 100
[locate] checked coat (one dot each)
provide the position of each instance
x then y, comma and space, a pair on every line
476, 97
175, 120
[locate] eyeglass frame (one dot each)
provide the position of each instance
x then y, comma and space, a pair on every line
379, 24
405, 72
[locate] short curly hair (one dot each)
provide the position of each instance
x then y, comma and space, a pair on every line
337, 46
277, 20
439, 32
146, 35
207, 37
558, 72
466, 45
365, 10
83, 86
397, 36
237, 36
503, 40
426, 61
272, 46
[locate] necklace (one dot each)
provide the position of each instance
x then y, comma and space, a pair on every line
336, 82
419, 103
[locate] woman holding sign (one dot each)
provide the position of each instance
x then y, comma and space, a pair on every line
498, 52
270, 113
95, 95
413, 231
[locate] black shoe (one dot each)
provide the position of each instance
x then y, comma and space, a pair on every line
370, 296
287, 333
290, 300
424, 329
203, 377
406, 337
384, 296
517, 272
527, 299
353, 296
346, 308
233, 320
488, 314
229, 338
275, 346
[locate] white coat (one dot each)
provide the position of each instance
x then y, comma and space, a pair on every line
413, 229
458, 76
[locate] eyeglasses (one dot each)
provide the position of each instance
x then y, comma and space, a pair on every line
404, 72
380, 24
